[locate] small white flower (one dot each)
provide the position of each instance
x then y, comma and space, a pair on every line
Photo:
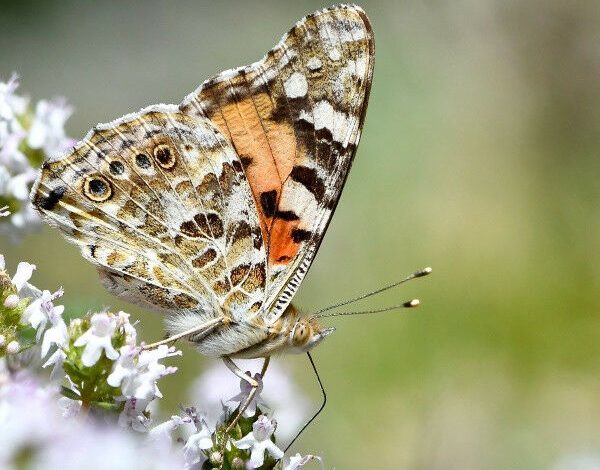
16, 177
18, 186
2, 340
35, 313
259, 441
47, 128
42, 310
245, 388
297, 461
137, 371
98, 338
11, 301
11, 157
57, 360
133, 416
46, 133
162, 432
196, 443
23, 274
125, 367
128, 328
11, 104
13, 347
57, 334
151, 370
280, 392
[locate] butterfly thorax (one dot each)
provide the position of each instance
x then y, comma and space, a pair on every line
291, 333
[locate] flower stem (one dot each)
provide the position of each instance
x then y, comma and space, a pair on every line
85, 407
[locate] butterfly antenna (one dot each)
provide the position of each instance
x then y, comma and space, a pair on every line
308, 423
409, 304
416, 274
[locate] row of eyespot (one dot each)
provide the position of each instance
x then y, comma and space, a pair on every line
98, 189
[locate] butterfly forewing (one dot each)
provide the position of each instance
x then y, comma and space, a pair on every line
294, 118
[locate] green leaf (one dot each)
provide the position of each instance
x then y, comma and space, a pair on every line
67, 392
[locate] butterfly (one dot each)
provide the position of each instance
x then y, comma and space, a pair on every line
212, 210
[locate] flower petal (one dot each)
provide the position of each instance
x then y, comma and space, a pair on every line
257, 457
23, 274
245, 442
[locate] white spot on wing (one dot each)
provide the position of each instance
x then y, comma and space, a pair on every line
335, 121
296, 86
342, 31
314, 63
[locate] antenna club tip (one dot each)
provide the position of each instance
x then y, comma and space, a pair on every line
424, 272
412, 303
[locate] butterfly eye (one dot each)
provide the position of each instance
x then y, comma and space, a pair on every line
301, 334
97, 188
164, 156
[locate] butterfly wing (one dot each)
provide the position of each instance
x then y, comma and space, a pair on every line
159, 202
295, 118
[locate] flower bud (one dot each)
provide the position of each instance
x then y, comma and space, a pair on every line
11, 301
2, 340
216, 458
13, 347
238, 464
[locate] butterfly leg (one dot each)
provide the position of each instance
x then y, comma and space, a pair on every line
204, 328
254, 384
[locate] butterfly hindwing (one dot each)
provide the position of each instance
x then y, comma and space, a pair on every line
159, 202
294, 118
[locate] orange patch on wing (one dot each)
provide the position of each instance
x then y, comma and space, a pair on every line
270, 149
282, 248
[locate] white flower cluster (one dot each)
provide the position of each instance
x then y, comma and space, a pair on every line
201, 443
133, 371
277, 389
36, 435
103, 371
27, 138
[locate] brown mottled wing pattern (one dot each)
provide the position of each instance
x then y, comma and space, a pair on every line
159, 202
295, 119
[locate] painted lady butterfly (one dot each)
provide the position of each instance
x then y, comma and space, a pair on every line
213, 210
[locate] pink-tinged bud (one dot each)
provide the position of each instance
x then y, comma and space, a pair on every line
13, 347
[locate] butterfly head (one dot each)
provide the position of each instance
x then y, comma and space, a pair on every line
305, 334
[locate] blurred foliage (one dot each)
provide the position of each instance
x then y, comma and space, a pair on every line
479, 157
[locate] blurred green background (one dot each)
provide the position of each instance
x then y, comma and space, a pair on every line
480, 157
